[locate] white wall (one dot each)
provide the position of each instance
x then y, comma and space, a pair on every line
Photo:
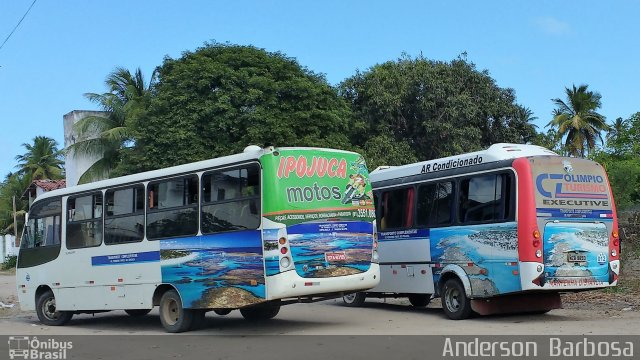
7, 246
75, 166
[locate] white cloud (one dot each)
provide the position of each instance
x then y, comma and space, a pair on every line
552, 26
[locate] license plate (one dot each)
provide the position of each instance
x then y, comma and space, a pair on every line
576, 258
335, 256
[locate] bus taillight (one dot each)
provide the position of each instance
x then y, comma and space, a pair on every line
283, 250
536, 238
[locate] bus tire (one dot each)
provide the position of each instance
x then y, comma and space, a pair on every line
47, 312
222, 312
264, 311
173, 316
419, 300
354, 299
455, 302
137, 312
199, 319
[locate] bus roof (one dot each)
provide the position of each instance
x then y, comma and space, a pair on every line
495, 152
250, 153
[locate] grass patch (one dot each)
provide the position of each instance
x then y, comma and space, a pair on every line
9, 263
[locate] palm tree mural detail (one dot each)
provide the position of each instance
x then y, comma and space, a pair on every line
577, 120
104, 137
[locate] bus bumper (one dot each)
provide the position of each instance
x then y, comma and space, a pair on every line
290, 285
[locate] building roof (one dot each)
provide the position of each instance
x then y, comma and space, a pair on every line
46, 185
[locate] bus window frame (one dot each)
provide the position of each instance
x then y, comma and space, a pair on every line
452, 213
149, 210
93, 219
59, 215
258, 197
510, 173
380, 195
144, 212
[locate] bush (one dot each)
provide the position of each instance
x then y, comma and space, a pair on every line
9, 262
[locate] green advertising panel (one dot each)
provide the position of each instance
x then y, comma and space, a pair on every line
302, 185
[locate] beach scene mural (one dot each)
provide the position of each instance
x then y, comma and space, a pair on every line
576, 249
327, 249
215, 271
483, 246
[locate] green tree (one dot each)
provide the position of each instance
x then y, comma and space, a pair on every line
220, 98
107, 136
13, 185
577, 120
435, 108
42, 160
618, 139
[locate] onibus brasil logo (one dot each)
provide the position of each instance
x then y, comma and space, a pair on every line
25, 347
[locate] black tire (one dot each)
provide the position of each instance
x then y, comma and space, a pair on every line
222, 312
173, 316
354, 299
47, 312
260, 312
455, 302
199, 319
137, 312
419, 300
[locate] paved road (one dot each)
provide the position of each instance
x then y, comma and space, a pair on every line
376, 317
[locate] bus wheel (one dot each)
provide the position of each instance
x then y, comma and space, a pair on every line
222, 312
47, 312
173, 316
199, 319
137, 312
455, 302
354, 299
259, 312
419, 300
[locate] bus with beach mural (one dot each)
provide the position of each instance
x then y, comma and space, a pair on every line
251, 231
501, 230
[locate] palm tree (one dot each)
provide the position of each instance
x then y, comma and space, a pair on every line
13, 185
577, 120
42, 159
106, 136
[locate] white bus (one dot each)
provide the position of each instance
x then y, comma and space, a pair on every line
494, 231
249, 231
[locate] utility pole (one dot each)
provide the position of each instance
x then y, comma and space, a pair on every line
15, 222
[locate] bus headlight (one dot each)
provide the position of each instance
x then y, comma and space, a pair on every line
285, 262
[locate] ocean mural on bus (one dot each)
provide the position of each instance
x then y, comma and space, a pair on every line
482, 251
215, 271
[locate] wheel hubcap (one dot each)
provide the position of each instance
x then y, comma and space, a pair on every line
452, 299
350, 298
49, 309
170, 312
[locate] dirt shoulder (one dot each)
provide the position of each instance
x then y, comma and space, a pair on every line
8, 299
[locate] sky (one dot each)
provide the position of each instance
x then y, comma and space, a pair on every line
66, 48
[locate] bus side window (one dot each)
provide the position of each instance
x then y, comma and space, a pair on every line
172, 209
482, 199
124, 220
231, 199
397, 209
84, 224
435, 202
